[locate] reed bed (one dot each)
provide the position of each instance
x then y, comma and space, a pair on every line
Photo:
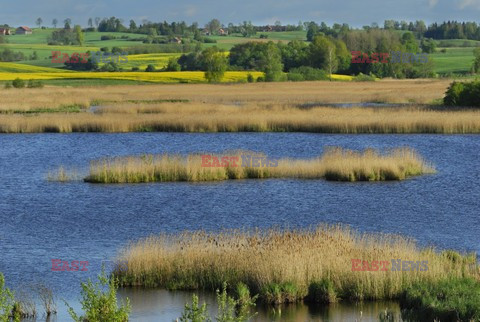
199, 117
286, 265
335, 164
394, 91
262, 107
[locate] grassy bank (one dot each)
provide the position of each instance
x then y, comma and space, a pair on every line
288, 265
279, 107
274, 94
335, 164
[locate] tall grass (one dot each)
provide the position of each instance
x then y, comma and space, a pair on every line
286, 265
335, 164
261, 117
395, 91
262, 107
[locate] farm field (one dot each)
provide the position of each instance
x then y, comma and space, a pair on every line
456, 60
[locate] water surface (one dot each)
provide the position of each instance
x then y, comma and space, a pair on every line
41, 220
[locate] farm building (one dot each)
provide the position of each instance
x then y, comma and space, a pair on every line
22, 30
4, 31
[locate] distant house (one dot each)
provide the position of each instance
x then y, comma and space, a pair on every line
222, 32
4, 31
268, 29
176, 40
22, 30
206, 32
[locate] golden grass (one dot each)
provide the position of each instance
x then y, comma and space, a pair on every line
286, 265
335, 164
250, 117
394, 91
63, 175
236, 107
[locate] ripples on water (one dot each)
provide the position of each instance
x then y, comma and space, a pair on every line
43, 220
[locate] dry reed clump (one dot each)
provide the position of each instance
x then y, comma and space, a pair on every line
63, 175
335, 164
286, 265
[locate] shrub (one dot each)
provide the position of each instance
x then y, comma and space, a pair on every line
364, 78
295, 77
230, 309
99, 301
135, 69
463, 94
250, 78
276, 293
452, 299
34, 83
207, 40
108, 37
150, 68
308, 73
194, 313
173, 65
6, 300
322, 292
18, 83
8, 85
110, 67
260, 79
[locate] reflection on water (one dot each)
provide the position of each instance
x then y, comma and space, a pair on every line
162, 305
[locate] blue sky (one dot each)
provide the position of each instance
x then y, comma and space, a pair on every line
354, 12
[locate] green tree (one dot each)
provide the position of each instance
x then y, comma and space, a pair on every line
55, 22
79, 36
173, 65
68, 23
133, 25
214, 63
39, 22
410, 43
312, 30
212, 26
428, 45
271, 62
90, 22
323, 53
99, 302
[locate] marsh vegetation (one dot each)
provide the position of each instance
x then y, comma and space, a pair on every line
335, 164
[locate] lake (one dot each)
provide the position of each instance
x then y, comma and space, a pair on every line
42, 220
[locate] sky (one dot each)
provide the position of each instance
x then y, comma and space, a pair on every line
356, 13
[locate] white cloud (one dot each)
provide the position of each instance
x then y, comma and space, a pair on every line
469, 3
432, 3
190, 11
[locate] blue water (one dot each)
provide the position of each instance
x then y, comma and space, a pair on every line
42, 220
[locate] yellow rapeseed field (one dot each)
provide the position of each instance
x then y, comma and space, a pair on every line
160, 77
